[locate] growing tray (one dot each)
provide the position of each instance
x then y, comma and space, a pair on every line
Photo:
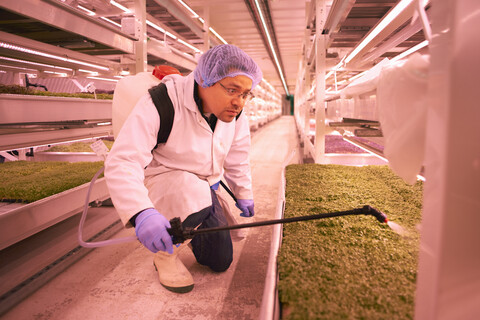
350, 267
49, 193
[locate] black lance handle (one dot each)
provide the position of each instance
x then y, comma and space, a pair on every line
180, 234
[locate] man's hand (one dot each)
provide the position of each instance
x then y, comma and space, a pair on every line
151, 230
246, 205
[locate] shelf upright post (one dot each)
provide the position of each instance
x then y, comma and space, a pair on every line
141, 44
306, 106
320, 56
302, 88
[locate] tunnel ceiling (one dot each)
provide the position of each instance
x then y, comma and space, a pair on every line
236, 21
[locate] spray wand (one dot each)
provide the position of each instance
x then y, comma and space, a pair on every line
180, 234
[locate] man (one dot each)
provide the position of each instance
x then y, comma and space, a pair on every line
151, 184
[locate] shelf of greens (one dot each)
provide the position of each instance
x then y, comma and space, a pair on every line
50, 192
351, 267
16, 89
26, 181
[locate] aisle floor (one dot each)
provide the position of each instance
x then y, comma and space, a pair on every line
120, 282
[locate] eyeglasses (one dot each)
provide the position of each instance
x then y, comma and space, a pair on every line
247, 96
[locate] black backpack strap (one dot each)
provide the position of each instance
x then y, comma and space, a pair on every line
165, 109
238, 115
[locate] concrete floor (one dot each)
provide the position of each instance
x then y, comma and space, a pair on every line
120, 282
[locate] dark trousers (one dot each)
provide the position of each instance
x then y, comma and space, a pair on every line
214, 249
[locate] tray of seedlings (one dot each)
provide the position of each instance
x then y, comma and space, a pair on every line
349, 267
16, 89
28, 181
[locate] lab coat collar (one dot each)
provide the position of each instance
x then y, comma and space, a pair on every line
188, 92
211, 119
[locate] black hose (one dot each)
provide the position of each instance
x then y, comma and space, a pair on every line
228, 190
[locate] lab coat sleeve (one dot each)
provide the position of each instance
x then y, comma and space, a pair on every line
131, 153
237, 162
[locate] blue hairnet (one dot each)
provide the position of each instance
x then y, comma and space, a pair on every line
223, 61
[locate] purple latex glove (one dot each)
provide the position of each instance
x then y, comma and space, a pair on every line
151, 230
246, 205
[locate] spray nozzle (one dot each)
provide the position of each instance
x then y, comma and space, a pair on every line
368, 210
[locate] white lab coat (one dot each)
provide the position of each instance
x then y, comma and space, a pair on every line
175, 178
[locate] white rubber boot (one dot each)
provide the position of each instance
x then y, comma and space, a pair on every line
172, 273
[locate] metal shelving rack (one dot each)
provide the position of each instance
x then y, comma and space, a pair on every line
448, 262
337, 51
133, 43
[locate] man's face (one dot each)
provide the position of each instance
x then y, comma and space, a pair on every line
226, 98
